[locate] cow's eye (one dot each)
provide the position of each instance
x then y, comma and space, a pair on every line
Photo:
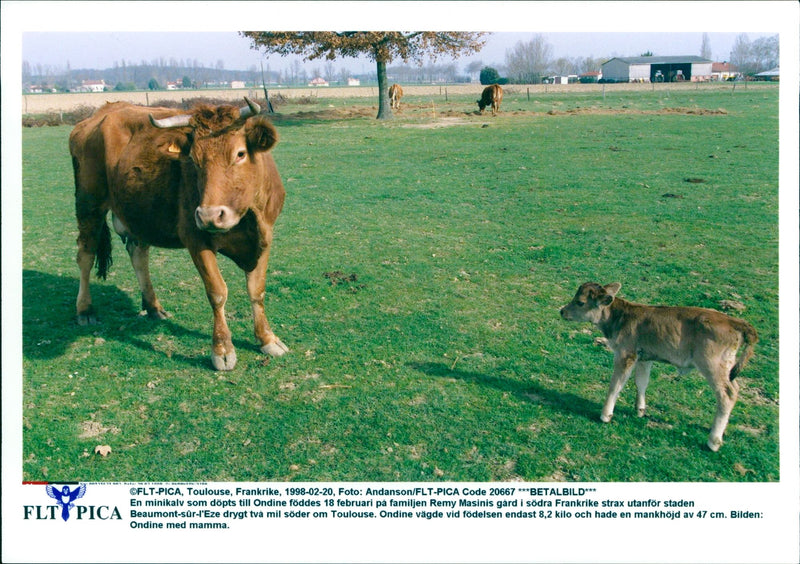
580, 304
241, 155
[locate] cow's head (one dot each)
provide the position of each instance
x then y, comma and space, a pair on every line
222, 154
482, 105
590, 301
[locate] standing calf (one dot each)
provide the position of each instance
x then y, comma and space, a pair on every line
686, 337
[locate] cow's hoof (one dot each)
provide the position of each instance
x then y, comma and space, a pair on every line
158, 314
714, 444
87, 318
275, 349
641, 412
605, 418
224, 362
155, 314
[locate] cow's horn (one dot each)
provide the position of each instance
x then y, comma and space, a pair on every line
252, 109
174, 121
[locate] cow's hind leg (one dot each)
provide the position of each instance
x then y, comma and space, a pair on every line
140, 259
256, 284
94, 244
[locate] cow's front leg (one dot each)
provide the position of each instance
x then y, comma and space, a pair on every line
223, 355
623, 366
256, 284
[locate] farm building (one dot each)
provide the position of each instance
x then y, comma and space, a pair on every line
772, 74
657, 69
723, 71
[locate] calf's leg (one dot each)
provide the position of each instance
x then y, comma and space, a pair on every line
726, 393
641, 375
623, 366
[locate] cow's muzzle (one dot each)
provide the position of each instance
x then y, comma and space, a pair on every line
215, 218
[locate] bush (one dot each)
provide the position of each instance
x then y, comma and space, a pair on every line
489, 76
57, 118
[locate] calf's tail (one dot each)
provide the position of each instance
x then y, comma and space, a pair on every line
749, 338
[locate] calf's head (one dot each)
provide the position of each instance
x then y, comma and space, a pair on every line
222, 159
590, 301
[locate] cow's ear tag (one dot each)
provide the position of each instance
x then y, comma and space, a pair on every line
173, 148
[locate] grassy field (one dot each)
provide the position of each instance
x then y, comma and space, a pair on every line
416, 276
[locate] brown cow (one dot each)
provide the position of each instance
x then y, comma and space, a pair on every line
686, 337
491, 96
203, 180
395, 93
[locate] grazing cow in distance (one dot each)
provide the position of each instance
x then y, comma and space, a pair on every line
203, 180
395, 93
686, 337
491, 96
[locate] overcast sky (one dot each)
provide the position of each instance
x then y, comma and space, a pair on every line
101, 50
96, 34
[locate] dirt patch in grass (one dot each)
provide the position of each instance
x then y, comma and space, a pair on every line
632, 111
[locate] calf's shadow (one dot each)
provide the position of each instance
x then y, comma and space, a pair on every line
531, 392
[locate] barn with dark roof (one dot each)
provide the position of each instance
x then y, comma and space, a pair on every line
657, 69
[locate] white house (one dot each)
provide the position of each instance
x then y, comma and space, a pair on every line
94, 85
319, 82
237, 84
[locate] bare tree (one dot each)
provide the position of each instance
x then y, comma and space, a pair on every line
705, 47
380, 46
760, 55
528, 62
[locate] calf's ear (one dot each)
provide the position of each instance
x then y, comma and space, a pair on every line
260, 133
612, 289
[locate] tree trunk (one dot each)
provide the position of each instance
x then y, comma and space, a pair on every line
384, 108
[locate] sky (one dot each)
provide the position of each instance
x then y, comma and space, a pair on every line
99, 50
96, 34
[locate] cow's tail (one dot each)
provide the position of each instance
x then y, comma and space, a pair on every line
103, 256
749, 338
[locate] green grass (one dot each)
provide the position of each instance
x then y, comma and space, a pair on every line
446, 358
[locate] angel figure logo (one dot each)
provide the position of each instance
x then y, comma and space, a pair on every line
66, 497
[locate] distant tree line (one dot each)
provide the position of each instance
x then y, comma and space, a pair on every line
126, 75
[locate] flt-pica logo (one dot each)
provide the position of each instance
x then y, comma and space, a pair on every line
65, 502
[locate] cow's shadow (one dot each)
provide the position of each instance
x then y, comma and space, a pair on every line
49, 325
530, 392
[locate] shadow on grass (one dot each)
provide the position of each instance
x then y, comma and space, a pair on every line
49, 325
531, 392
